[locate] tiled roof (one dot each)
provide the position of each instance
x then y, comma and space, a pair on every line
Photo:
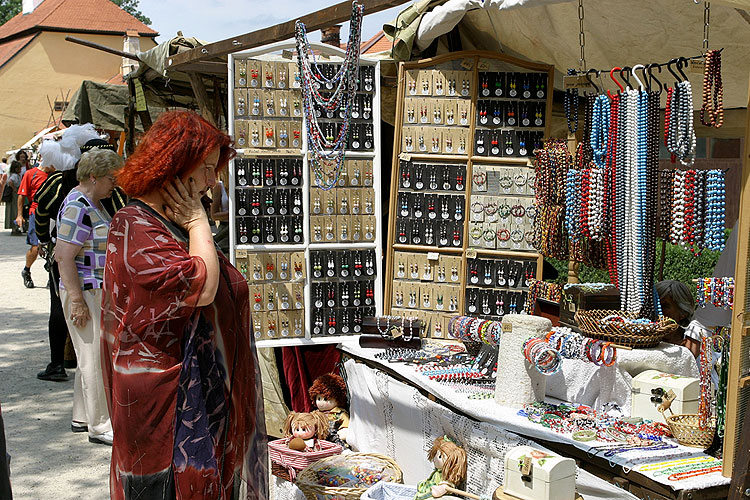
12, 47
97, 16
376, 44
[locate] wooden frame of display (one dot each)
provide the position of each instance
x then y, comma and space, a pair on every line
470, 158
327, 51
738, 382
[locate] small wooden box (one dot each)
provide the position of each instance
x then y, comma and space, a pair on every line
577, 298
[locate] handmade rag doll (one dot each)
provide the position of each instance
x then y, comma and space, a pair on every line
306, 427
449, 460
328, 393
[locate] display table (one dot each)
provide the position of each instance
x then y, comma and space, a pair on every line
397, 411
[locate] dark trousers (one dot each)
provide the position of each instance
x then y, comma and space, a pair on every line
58, 328
5, 492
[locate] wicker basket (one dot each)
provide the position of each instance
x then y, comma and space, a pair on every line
286, 463
306, 480
633, 335
687, 432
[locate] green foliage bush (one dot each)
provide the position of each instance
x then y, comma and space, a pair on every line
679, 264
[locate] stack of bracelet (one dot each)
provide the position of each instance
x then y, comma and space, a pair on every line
683, 468
586, 424
539, 289
545, 358
466, 328
573, 345
717, 291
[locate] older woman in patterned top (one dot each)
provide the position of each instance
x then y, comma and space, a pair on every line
82, 228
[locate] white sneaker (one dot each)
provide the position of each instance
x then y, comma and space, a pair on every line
104, 438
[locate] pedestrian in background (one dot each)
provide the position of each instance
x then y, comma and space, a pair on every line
80, 253
11, 203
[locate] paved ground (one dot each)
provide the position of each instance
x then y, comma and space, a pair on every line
48, 461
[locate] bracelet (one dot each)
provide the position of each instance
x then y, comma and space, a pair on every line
531, 211
516, 236
476, 232
520, 179
503, 234
474, 206
584, 435
489, 235
504, 210
518, 211
490, 208
506, 182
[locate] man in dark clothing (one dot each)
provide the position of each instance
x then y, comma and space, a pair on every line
49, 198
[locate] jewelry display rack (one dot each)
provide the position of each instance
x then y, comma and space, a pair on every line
466, 124
279, 271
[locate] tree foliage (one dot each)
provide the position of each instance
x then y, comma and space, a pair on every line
9, 8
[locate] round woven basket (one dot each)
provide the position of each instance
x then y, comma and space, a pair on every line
592, 324
306, 480
686, 430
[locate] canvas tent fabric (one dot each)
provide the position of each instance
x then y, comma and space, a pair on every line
98, 103
617, 34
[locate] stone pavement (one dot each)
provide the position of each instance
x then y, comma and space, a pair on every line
48, 460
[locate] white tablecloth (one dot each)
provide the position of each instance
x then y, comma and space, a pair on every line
370, 405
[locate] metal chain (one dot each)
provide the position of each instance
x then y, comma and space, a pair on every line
706, 23
581, 36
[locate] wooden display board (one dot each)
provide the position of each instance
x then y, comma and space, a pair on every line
499, 93
325, 241
738, 383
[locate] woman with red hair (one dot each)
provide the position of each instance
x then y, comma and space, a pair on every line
180, 369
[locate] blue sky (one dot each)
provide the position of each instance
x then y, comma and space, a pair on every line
220, 19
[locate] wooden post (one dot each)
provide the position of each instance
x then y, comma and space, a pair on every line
573, 266
740, 330
199, 89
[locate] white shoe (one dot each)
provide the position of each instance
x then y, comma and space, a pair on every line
104, 438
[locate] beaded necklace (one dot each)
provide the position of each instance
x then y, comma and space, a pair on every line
327, 153
600, 129
715, 210
681, 139
704, 366
712, 112
571, 106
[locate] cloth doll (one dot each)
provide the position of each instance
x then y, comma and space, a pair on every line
328, 393
309, 427
449, 460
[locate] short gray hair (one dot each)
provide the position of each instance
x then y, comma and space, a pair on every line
681, 296
99, 163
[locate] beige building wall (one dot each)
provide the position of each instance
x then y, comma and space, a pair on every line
50, 66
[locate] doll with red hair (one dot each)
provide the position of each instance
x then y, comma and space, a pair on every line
328, 394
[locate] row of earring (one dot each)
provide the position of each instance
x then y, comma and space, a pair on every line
339, 321
500, 272
342, 201
441, 233
431, 206
337, 228
359, 135
343, 293
270, 326
424, 301
342, 264
268, 104
427, 272
494, 303
268, 172
277, 297
507, 144
361, 109
271, 201
419, 176
270, 230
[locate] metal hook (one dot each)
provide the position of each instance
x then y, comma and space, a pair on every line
626, 79
680, 62
597, 73
640, 83
652, 77
669, 67
612, 76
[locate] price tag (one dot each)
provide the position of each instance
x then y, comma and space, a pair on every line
697, 66
471, 254
404, 157
508, 328
483, 66
467, 64
287, 54
433, 256
241, 253
576, 82
526, 467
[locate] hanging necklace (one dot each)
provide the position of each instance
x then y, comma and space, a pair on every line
327, 154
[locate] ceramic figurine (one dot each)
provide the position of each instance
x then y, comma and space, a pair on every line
309, 427
449, 460
328, 393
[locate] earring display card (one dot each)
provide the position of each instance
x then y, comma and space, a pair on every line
275, 201
276, 283
342, 290
424, 283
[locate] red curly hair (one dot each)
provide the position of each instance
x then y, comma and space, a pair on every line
331, 387
176, 143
